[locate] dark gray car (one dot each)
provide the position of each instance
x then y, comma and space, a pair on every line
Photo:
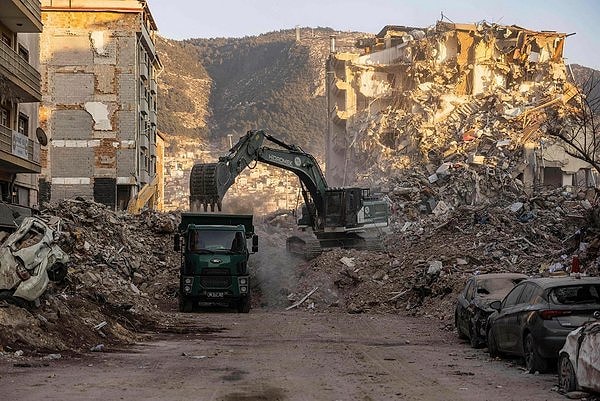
534, 319
473, 303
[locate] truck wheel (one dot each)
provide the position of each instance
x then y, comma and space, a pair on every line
244, 305
185, 304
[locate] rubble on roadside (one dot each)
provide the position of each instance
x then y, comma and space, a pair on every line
429, 257
122, 275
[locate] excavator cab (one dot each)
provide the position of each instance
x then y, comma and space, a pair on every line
342, 206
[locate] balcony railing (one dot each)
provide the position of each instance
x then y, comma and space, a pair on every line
20, 146
153, 86
144, 106
144, 141
144, 70
153, 117
20, 72
148, 41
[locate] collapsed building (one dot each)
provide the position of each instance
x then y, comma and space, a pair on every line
471, 97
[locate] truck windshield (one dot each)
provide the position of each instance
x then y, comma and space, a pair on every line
216, 241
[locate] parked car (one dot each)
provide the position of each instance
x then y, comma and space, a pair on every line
579, 359
534, 319
473, 303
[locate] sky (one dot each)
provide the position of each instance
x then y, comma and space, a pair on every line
184, 19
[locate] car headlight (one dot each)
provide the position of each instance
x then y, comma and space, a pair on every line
243, 281
243, 289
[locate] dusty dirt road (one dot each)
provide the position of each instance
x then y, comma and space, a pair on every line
276, 356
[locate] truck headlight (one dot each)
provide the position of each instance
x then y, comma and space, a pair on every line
187, 288
243, 281
188, 280
243, 289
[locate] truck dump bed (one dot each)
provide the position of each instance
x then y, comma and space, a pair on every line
213, 219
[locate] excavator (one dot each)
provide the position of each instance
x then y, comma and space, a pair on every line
348, 217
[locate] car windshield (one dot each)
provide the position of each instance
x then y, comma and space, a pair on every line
215, 241
576, 294
497, 286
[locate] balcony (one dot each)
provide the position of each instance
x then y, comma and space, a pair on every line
144, 70
153, 117
21, 16
25, 78
18, 154
144, 106
147, 41
153, 86
144, 141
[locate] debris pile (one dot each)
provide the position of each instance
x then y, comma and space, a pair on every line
122, 274
429, 257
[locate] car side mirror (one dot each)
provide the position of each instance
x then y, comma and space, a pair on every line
177, 243
496, 305
254, 243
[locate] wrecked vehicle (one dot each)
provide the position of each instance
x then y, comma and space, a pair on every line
535, 318
29, 258
579, 360
473, 303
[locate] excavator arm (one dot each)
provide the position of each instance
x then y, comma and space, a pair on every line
210, 181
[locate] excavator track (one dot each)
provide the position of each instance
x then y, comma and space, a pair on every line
203, 187
307, 248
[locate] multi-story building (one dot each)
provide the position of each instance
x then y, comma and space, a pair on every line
20, 25
99, 66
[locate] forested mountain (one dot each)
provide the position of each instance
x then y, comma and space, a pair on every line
271, 81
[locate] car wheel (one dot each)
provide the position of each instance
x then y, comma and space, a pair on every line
461, 335
57, 272
474, 338
533, 361
567, 381
492, 346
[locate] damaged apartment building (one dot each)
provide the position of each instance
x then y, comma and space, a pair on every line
471, 97
99, 66
20, 94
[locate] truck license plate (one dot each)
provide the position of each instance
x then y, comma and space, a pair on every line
212, 294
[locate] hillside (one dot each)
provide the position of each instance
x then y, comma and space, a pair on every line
184, 89
270, 81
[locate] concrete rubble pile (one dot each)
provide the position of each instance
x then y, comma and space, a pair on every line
122, 273
429, 257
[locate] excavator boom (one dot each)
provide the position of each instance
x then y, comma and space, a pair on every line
337, 216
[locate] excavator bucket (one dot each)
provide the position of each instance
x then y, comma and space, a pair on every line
204, 191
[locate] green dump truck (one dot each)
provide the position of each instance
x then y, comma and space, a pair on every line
214, 259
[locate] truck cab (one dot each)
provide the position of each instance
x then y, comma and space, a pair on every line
214, 259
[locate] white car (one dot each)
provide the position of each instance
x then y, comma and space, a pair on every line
579, 359
29, 258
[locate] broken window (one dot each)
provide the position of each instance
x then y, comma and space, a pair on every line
23, 126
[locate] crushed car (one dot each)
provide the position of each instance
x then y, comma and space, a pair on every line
29, 258
534, 319
579, 360
473, 303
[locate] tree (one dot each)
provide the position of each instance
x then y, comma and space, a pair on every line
577, 124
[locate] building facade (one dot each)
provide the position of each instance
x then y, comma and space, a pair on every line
20, 94
99, 66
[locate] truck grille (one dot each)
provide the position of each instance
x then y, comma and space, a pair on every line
215, 281
215, 272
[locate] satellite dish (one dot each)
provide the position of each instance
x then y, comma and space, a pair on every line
41, 136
